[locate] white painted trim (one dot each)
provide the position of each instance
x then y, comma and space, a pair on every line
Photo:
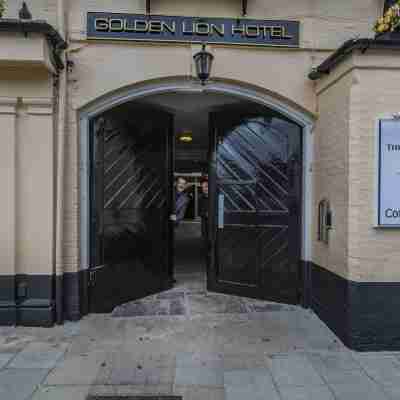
84, 171
189, 86
376, 177
307, 192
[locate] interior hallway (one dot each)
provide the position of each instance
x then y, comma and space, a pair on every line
190, 262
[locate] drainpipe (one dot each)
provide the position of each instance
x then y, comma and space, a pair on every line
61, 132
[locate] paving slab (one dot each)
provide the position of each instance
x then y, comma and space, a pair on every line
215, 303
19, 384
199, 392
197, 359
78, 370
249, 377
293, 369
355, 391
146, 390
199, 376
61, 393
5, 358
384, 369
249, 384
306, 393
243, 361
392, 392
178, 307
171, 295
250, 392
39, 355
338, 367
142, 308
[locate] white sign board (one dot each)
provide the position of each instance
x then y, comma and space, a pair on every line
389, 173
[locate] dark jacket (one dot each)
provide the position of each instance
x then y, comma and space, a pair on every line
203, 206
181, 203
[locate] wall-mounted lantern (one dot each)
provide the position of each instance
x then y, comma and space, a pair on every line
203, 61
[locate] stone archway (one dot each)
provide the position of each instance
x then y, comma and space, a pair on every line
145, 90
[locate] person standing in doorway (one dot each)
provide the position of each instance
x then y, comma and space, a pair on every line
181, 203
203, 209
181, 200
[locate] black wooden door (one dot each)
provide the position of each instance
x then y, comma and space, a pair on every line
255, 190
132, 169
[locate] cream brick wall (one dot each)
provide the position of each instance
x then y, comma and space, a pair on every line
30, 144
324, 24
350, 100
374, 254
330, 171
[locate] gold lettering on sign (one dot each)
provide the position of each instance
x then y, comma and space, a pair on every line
219, 30
285, 35
127, 27
141, 26
276, 32
238, 29
116, 25
252, 31
187, 30
101, 24
266, 30
202, 28
155, 27
169, 28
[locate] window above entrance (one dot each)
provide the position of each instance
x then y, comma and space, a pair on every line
244, 7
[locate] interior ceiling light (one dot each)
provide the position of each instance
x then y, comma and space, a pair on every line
186, 137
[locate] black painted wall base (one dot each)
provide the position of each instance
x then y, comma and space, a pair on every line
363, 315
75, 295
42, 300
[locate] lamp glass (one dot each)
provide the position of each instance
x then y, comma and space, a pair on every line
203, 61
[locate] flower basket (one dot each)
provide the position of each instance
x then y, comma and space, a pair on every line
387, 27
2, 7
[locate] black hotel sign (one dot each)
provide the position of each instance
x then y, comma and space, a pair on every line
158, 28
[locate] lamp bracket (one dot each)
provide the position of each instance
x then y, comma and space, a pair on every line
244, 8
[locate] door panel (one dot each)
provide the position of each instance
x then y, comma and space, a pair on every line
255, 189
131, 200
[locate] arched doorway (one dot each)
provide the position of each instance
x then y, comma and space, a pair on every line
256, 157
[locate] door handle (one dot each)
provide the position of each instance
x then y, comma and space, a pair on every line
221, 203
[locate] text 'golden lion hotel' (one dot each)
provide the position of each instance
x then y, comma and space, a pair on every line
296, 106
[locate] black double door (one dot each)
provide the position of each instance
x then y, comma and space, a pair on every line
132, 238
255, 188
255, 213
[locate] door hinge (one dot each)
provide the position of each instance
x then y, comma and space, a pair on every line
92, 279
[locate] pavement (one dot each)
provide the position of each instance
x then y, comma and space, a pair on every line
204, 346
